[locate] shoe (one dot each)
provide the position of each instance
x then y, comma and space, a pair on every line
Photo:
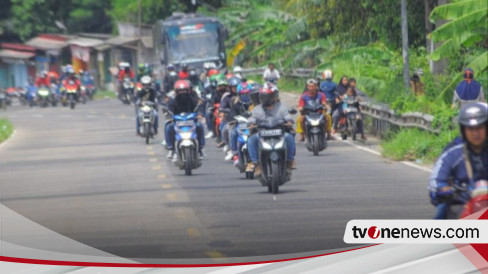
171, 153
226, 148
290, 166
256, 168
229, 156
250, 167
202, 154
235, 159
163, 143
221, 144
364, 138
329, 137
302, 138
209, 135
334, 131
175, 158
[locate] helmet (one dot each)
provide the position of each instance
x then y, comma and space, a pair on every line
237, 69
141, 67
234, 81
228, 76
70, 70
468, 74
146, 80
44, 73
182, 87
254, 94
212, 72
193, 72
472, 115
221, 81
184, 67
170, 67
312, 81
268, 94
327, 74
243, 90
209, 65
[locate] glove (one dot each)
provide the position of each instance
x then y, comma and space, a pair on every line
444, 190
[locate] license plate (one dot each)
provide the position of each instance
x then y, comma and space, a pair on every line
270, 132
352, 110
184, 123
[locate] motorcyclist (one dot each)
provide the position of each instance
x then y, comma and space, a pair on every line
227, 114
462, 163
184, 74
240, 105
147, 94
207, 67
170, 78
71, 76
220, 89
270, 107
340, 111
238, 72
142, 70
31, 91
195, 81
43, 80
86, 78
271, 74
468, 91
125, 72
184, 102
310, 95
328, 87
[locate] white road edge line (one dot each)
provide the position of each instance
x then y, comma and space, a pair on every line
9, 138
237, 269
426, 169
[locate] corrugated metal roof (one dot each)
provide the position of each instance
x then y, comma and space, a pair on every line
85, 42
103, 47
120, 40
46, 44
16, 46
6, 53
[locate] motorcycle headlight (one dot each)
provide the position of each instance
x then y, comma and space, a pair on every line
314, 123
266, 146
185, 135
280, 144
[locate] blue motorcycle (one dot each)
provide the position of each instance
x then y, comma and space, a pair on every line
186, 142
243, 134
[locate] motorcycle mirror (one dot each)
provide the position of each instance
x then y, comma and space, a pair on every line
292, 111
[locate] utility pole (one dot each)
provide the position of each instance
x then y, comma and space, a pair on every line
406, 69
139, 49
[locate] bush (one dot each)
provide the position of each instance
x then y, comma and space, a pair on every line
6, 129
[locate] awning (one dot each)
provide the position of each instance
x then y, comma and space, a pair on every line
85, 42
46, 44
13, 54
103, 47
147, 41
120, 40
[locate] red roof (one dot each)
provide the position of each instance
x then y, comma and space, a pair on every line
15, 46
53, 37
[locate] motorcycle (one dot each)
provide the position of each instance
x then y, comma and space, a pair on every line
44, 95
83, 96
272, 153
466, 201
347, 125
243, 134
147, 120
54, 95
315, 127
127, 94
186, 143
90, 91
71, 93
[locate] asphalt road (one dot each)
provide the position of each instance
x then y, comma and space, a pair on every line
83, 173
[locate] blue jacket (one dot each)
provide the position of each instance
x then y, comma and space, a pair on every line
328, 87
451, 165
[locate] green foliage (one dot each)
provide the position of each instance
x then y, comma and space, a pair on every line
6, 129
413, 144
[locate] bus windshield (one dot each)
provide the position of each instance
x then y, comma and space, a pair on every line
193, 42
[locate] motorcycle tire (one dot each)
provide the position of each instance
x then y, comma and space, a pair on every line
315, 144
147, 133
188, 161
344, 137
250, 175
275, 177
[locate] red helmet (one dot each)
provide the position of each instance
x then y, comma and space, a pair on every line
228, 76
181, 85
213, 72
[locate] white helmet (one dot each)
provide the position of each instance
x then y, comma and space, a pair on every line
327, 74
237, 69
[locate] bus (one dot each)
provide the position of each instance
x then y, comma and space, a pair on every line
191, 39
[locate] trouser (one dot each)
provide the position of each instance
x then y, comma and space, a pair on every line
225, 130
156, 121
441, 212
209, 120
253, 147
170, 135
336, 115
233, 140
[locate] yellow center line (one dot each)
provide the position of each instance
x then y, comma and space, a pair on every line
153, 160
156, 168
171, 196
193, 232
166, 186
162, 176
149, 147
216, 255
181, 214
151, 153
122, 116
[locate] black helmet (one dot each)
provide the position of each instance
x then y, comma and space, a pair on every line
254, 94
234, 81
268, 94
472, 115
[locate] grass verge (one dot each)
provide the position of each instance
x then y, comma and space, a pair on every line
414, 144
102, 94
6, 129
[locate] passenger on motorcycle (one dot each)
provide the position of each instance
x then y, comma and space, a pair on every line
72, 77
43, 80
184, 74
184, 102
468, 91
147, 93
170, 78
339, 112
312, 94
239, 106
328, 87
227, 114
463, 163
270, 107
220, 89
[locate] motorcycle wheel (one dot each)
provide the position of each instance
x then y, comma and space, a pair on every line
83, 99
344, 136
146, 133
269, 189
275, 177
188, 161
250, 175
72, 102
315, 143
